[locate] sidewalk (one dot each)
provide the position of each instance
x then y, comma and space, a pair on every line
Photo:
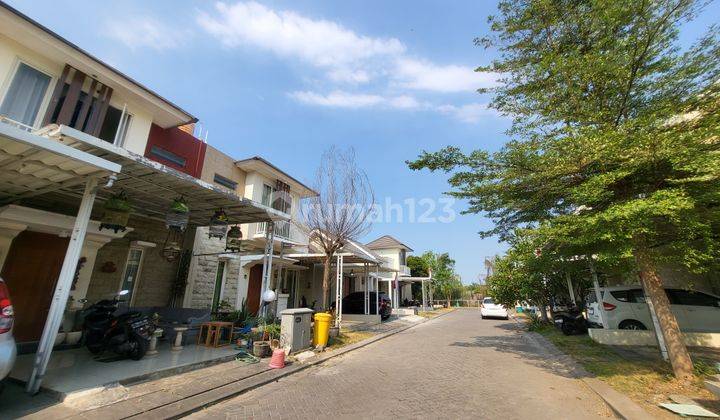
185, 393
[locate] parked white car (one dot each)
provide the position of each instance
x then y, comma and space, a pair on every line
490, 309
7, 342
625, 308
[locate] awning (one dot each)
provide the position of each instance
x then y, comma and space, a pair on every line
32, 165
152, 186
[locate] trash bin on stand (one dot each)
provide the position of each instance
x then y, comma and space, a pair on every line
321, 331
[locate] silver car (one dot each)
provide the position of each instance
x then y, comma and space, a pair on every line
7, 342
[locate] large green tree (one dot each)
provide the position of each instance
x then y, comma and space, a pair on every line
614, 142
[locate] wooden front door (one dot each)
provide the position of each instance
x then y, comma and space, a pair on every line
254, 286
31, 271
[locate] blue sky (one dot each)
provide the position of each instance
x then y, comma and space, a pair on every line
287, 79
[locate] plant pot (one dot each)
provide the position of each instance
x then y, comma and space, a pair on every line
261, 349
73, 337
334, 331
59, 339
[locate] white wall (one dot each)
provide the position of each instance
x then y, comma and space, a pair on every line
11, 53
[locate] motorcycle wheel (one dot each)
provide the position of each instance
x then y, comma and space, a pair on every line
138, 347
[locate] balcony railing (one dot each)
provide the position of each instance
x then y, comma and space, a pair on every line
16, 124
404, 270
282, 229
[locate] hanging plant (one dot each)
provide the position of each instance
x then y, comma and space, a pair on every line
178, 215
116, 213
218, 225
233, 242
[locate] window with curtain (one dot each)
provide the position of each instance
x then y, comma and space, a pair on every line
25, 95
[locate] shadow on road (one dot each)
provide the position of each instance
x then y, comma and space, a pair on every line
526, 348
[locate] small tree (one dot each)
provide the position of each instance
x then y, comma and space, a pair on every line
340, 212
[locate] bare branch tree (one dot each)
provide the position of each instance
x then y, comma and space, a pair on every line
341, 211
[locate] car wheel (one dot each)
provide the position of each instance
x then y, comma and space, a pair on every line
482, 316
631, 324
507, 317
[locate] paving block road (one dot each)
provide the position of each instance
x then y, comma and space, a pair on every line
455, 366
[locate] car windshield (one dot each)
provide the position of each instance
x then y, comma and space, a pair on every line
488, 301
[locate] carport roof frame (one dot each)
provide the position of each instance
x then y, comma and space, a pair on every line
153, 186
32, 165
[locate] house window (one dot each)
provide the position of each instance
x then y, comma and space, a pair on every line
281, 197
168, 156
403, 257
132, 272
266, 195
25, 95
219, 280
225, 182
115, 126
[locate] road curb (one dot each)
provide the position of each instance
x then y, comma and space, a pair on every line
214, 396
620, 404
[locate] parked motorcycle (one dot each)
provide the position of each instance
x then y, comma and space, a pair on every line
571, 321
127, 334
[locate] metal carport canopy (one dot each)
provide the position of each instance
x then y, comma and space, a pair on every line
152, 186
32, 165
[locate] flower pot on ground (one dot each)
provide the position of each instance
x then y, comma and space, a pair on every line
73, 337
334, 331
60, 338
261, 348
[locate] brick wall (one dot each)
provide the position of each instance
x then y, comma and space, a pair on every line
157, 274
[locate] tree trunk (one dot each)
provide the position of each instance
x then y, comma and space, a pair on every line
651, 282
543, 313
326, 282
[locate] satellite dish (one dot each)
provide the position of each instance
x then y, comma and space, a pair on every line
269, 296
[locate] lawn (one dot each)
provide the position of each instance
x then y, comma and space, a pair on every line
346, 338
648, 382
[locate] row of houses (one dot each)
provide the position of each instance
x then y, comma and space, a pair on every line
76, 134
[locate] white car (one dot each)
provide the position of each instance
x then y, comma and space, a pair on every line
7, 342
625, 308
490, 309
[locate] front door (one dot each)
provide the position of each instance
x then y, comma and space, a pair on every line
254, 286
31, 271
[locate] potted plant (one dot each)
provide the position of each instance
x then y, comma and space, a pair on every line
116, 213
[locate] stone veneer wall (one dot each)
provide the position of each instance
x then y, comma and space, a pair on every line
203, 269
157, 275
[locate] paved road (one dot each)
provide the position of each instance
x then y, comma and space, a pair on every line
455, 366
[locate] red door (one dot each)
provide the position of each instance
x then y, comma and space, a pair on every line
31, 271
254, 285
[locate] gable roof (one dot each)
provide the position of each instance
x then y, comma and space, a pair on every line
387, 242
261, 165
32, 33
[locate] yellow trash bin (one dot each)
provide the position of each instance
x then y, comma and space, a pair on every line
321, 331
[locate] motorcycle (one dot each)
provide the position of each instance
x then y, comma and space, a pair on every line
127, 334
571, 321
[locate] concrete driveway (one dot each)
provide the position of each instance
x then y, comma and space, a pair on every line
456, 366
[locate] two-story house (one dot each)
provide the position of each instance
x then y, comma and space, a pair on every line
75, 135
395, 253
236, 277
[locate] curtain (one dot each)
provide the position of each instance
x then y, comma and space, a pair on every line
25, 95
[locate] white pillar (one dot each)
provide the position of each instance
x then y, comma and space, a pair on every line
267, 263
338, 289
377, 292
422, 286
367, 289
62, 288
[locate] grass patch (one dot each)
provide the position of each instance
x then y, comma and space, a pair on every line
434, 312
346, 338
646, 381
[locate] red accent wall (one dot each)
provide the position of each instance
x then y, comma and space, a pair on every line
180, 143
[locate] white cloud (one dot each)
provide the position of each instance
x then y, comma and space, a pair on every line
338, 99
347, 58
145, 32
424, 75
288, 34
468, 113
342, 99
